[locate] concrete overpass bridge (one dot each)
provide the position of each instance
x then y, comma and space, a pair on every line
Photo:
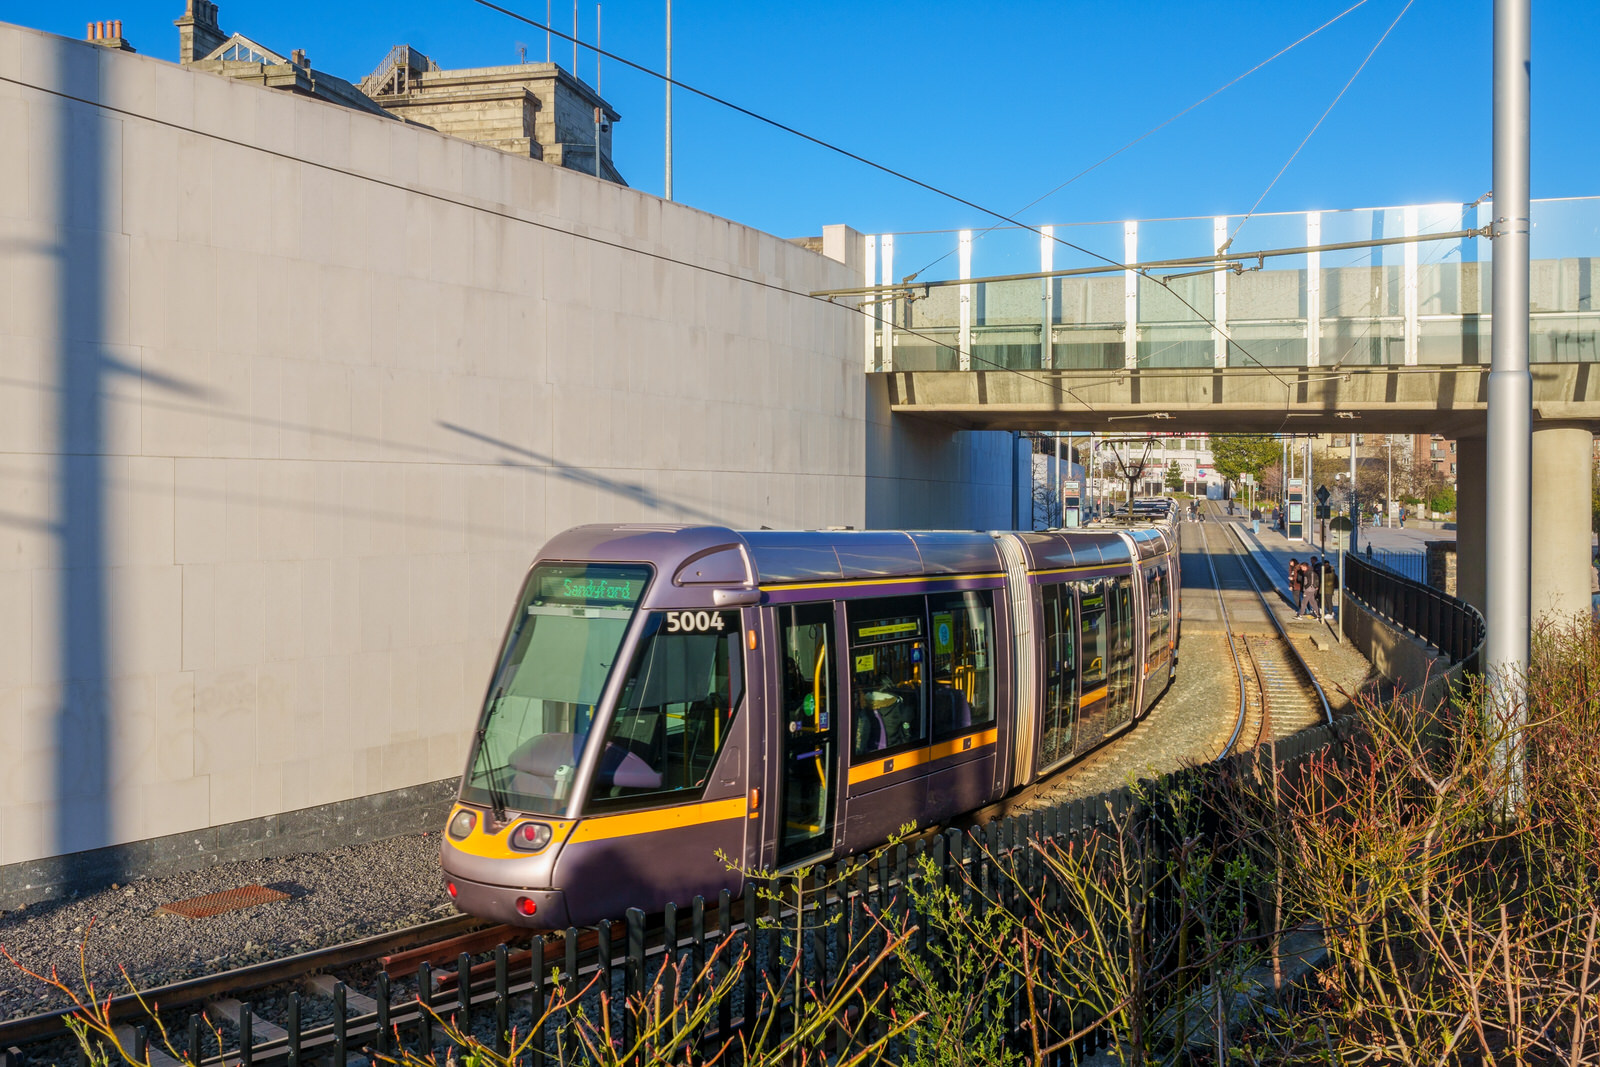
1374, 321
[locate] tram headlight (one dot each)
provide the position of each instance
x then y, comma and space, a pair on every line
462, 824
531, 837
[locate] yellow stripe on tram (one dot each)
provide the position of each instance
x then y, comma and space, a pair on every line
605, 827
497, 845
900, 761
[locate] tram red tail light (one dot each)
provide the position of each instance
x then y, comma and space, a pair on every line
526, 906
451, 887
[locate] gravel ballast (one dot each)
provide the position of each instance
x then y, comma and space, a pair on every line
334, 897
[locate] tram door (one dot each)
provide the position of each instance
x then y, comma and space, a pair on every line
1094, 653
809, 725
1059, 721
1121, 621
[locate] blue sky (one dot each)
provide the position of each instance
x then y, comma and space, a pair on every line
998, 102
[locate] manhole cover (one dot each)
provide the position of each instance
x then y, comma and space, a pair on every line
247, 896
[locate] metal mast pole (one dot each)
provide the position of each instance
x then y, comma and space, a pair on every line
1355, 500
1510, 444
668, 192
1061, 500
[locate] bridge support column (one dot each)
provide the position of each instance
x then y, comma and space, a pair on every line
1562, 461
1471, 534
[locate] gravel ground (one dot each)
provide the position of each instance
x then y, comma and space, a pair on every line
334, 897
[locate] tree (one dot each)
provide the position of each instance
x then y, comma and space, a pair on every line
1417, 480
1174, 476
1233, 455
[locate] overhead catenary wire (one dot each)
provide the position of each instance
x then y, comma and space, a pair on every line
847, 153
1321, 119
576, 234
1169, 120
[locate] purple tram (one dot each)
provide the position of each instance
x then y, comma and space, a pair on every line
664, 694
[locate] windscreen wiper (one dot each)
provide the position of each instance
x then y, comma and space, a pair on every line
497, 795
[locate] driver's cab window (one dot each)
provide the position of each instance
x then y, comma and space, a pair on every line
678, 701
889, 675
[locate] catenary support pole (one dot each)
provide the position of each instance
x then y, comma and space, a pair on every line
1061, 501
1510, 446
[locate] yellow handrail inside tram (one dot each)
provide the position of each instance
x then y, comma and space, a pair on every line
816, 704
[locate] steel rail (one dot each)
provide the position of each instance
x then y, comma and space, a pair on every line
1248, 561
1227, 631
269, 972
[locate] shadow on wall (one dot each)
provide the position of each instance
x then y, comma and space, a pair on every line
638, 494
84, 368
82, 718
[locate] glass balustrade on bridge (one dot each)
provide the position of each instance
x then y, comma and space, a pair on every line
1423, 302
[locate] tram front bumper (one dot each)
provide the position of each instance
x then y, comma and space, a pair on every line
499, 904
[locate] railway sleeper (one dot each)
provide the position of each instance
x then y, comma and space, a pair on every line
133, 1038
326, 985
405, 964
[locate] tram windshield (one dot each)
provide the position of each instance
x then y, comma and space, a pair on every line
564, 640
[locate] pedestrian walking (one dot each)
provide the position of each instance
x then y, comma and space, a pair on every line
1311, 590
1255, 520
1402, 516
1294, 585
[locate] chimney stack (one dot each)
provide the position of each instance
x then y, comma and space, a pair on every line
199, 32
108, 34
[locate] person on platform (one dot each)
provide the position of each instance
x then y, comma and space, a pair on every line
1311, 589
1294, 585
1255, 520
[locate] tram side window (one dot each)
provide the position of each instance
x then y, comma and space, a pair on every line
1158, 607
889, 674
678, 701
963, 661
1092, 625
1060, 673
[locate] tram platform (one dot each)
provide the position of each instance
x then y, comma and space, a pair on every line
1273, 551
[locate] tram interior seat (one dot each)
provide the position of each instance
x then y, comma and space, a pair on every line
951, 711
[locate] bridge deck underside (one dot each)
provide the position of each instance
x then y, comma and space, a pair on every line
1447, 400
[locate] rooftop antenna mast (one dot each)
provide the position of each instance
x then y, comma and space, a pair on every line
668, 190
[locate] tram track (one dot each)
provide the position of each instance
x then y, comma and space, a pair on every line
424, 941
1278, 692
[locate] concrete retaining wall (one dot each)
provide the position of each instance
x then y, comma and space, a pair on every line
290, 396
1397, 655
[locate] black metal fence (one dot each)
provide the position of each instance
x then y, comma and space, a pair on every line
1408, 562
748, 946
1452, 626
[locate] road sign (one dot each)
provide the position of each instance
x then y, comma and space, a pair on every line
1323, 494
1324, 512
